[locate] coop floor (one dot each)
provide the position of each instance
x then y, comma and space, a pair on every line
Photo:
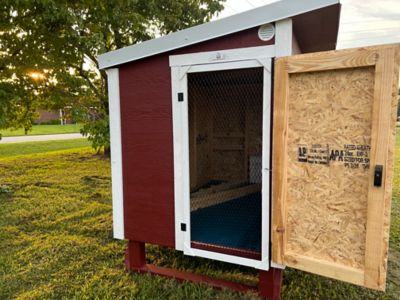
235, 224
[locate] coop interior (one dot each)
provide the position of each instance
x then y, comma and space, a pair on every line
225, 143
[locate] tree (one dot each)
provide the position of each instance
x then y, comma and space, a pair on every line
398, 104
60, 39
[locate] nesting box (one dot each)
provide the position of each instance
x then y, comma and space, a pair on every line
245, 141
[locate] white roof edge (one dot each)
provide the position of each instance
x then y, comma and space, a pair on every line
258, 16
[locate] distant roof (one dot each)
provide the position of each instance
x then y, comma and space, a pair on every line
305, 28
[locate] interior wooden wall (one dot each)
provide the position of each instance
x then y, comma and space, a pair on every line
225, 129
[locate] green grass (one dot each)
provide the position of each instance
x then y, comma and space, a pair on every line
15, 149
56, 241
43, 129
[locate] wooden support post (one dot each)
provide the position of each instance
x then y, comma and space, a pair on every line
270, 282
135, 256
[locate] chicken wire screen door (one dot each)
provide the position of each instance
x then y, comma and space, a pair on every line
333, 144
221, 125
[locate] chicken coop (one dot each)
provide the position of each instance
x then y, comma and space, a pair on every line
251, 140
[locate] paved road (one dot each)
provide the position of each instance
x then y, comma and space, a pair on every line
38, 138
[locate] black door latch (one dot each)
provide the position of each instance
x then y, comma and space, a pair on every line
183, 227
378, 175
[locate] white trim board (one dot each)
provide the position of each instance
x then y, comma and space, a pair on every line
265, 163
214, 57
284, 37
181, 155
258, 16
260, 57
116, 153
257, 264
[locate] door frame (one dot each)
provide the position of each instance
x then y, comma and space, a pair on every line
181, 65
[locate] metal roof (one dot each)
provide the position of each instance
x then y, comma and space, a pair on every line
258, 16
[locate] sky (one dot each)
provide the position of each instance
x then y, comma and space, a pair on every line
362, 22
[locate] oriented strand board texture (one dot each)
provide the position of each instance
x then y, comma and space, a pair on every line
328, 158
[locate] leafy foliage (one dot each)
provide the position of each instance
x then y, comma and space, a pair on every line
398, 104
60, 40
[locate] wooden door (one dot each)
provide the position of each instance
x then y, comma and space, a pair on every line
333, 142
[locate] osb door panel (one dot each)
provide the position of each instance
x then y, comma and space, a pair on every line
334, 123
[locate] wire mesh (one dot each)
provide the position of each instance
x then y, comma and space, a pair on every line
225, 142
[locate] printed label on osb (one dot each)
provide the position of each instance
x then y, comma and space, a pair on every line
351, 156
314, 154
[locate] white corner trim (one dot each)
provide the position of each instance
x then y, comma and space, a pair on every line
277, 266
258, 16
283, 37
266, 63
116, 153
265, 162
181, 154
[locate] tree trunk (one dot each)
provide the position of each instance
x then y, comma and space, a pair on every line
107, 151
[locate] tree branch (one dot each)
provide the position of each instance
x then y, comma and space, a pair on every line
84, 75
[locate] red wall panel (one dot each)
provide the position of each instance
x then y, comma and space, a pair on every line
147, 144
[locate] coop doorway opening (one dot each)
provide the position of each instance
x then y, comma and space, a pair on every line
225, 153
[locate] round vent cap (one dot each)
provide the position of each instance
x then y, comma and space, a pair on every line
266, 32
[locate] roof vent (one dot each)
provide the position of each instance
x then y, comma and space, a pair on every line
266, 32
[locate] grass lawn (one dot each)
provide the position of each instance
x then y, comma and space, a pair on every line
14, 149
43, 129
56, 241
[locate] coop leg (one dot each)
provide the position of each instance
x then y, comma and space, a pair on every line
270, 282
269, 286
135, 256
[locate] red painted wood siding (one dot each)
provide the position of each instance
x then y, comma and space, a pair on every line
147, 145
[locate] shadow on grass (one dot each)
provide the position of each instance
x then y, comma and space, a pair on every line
56, 242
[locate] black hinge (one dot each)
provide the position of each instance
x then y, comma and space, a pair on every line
183, 227
180, 97
378, 175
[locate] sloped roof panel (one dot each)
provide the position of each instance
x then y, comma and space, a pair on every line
261, 15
